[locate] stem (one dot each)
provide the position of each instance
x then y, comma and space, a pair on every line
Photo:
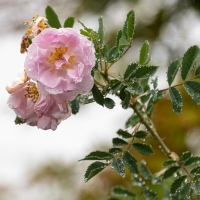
98, 83
153, 132
135, 130
122, 55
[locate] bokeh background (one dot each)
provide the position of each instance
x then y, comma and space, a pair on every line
36, 164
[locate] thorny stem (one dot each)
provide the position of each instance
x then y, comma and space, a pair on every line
153, 132
160, 142
135, 130
174, 157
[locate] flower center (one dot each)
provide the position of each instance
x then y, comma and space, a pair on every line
32, 91
57, 54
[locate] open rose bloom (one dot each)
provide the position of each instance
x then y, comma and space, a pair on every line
57, 68
62, 60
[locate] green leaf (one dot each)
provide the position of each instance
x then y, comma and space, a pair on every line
115, 150
121, 192
19, 120
118, 142
94, 169
109, 103
137, 181
69, 22
145, 171
196, 187
132, 121
122, 94
140, 134
116, 87
126, 101
156, 181
189, 59
101, 30
130, 162
118, 166
75, 106
176, 99
193, 160
130, 24
52, 18
98, 155
169, 162
185, 192
177, 184
144, 72
119, 35
185, 156
123, 42
98, 96
150, 195
172, 70
170, 171
135, 88
197, 72
112, 198
144, 149
114, 54
193, 89
195, 171
124, 134
130, 69
144, 52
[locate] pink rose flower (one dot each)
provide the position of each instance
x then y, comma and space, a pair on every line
62, 60
35, 106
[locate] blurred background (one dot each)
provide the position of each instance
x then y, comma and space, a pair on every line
43, 165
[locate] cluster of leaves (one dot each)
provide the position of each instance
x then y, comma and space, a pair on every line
137, 91
191, 86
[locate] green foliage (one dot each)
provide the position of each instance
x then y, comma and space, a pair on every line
185, 156
140, 134
145, 172
124, 134
109, 103
144, 72
150, 195
98, 155
94, 169
119, 142
193, 89
19, 120
132, 121
193, 160
115, 150
169, 162
138, 90
144, 149
75, 106
121, 192
118, 166
101, 30
177, 184
172, 70
98, 96
189, 59
197, 72
52, 18
144, 53
176, 99
170, 171
69, 22
130, 162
